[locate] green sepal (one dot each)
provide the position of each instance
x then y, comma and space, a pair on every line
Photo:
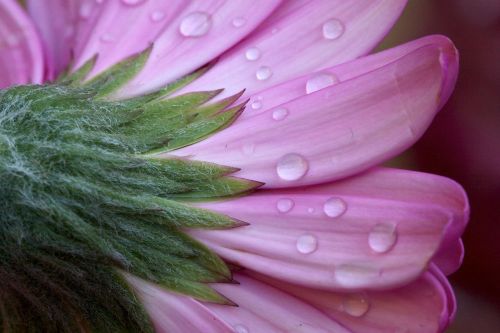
118, 75
219, 188
77, 77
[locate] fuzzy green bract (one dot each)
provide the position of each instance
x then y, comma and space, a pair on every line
84, 199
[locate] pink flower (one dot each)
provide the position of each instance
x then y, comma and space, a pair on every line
331, 242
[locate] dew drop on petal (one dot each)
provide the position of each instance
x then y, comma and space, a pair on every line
239, 22
241, 329
292, 167
196, 24
133, 2
280, 114
353, 275
157, 16
85, 10
355, 305
310, 210
106, 38
256, 105
285, 205
334, 207
320, 81
382, 237
307, 244
263, 73
333, 29
252, 54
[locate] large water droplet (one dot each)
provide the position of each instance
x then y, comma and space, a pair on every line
133, 2
355, 305
285, 205
333, 29
334, 207
252, 54
353, 275
196, 24
382, 237
157, 16
292, 167
239, 22
320, 81
241, 329
263, 73
280, 114
307, 244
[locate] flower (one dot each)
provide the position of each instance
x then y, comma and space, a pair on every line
169, 135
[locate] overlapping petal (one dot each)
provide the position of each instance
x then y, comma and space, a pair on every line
21, 55
340, 130
373, 231
302, 36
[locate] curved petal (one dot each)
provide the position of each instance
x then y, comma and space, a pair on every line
420, 307
377, 230
21, 56
300, 37
197, 34
262, 308
340, 130
172, 313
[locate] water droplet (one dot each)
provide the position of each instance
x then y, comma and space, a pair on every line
334, 207
382, 237
263, 73
157, 16
333, 29
249, 149
85, 10
252, 54
320, 81
310, 210
256, 105
196, 24
285, 205
280, 114
99, 1
239, 22
241, 329
355, 276
307, 244
292, 167
133, 2
355, 305
107, 38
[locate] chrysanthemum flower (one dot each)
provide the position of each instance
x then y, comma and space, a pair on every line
211, 166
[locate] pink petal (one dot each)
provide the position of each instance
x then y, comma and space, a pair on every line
262, 308
172, 313
377, 230
178, 52
340, 130
292, 42
420, 307
21, 56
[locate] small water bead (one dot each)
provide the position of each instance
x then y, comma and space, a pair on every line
252, 54
239, 22
382, 237
355, 305
320, 81
307, 244
196, 24
157, 16
107, 38
241, 329
256, 105
99, 1
263, 73
292, 167
133, 2
85, 10
334, 207
285, 205
310, 210
333, 29
280, 114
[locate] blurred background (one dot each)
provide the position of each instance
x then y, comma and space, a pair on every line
463, 143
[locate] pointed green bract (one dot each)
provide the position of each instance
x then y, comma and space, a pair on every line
84, 200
